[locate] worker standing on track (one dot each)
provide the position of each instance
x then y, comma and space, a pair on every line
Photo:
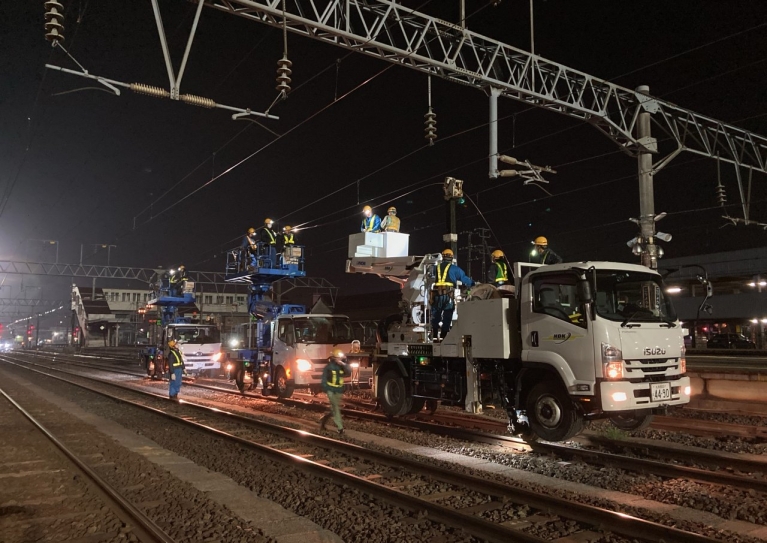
391, 222
542, 254
498, 274
176, 368
443, 301
370, 222
333, 385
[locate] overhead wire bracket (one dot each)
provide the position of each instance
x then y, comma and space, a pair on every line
174, 78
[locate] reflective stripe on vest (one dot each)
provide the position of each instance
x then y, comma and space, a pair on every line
336, 379
442, 280
368, 223
271, 235
178, 360
500, 273
288, 239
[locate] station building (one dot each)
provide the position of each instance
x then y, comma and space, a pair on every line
738, 304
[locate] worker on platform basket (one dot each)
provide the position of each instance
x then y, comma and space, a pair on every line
333, 385
178, 279
391, 222
543, 254
443, 294
498, 274
370, 221
268, 235
250, 247
287, 236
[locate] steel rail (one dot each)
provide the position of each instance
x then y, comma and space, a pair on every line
146, 527
631, 464
435, 512
587, 514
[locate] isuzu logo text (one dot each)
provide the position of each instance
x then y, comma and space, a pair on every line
654, 350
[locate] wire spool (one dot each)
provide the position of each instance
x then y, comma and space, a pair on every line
200, 101
149, 90
283, 75
54, 21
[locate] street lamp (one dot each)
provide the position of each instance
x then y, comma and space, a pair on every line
49, 242
96, 246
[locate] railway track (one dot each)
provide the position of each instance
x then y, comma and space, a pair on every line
29, 451
670, 462
462, 501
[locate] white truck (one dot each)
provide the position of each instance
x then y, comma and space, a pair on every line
569, 343
200, 346
288, 349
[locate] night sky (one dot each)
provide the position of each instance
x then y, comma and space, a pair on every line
89, 167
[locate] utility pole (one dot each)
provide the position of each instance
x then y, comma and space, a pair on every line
453, 194
644, 245
647, 143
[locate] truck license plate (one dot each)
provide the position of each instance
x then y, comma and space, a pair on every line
660, 392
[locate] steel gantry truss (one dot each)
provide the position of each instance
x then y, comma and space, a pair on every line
146, 275
20, 302
388, 31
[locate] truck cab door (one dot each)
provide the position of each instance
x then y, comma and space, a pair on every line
555, 329
284, 342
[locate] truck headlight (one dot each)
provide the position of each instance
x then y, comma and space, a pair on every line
303, 365
612, 362
216, 357
234, 343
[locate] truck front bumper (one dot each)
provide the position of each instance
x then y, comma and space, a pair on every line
625, 396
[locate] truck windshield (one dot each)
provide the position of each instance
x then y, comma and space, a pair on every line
629, 296
330, 330
197, 334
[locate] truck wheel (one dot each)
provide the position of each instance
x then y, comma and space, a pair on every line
551, 412
281, 386
632, 421
393, 395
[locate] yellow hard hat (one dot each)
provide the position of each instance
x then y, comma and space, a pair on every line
367, 209
287, 228
337, 354
497, 254
540, 240
447, 253
171, 343
251, 231
392, 210
181, 268
268, 221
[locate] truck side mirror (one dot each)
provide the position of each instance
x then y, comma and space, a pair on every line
583, 289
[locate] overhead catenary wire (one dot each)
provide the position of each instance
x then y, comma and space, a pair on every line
415, 151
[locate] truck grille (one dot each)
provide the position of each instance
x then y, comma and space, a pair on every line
650, 367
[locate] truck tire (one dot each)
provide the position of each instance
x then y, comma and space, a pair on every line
281, 387
393, 396
551, 412
632, 421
